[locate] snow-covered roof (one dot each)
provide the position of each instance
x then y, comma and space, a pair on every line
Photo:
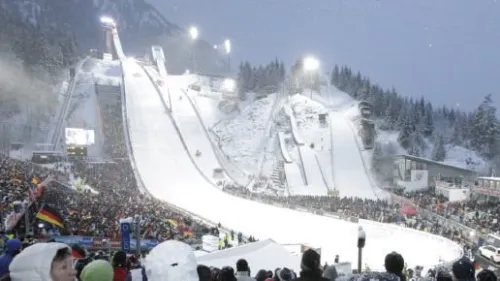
265, 254
428, 161
490, 178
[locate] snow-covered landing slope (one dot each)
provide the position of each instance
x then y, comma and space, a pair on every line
315, 181
190, 127
351, 178
171, 176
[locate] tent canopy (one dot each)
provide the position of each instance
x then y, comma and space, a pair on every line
265, 254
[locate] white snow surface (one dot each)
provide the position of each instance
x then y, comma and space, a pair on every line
294, 180
464, 158
170, 175
315, 182
191, 128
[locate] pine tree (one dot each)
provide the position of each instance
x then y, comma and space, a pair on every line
439, 151
485, 128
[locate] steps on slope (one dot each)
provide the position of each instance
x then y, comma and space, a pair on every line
108, 94
277, 177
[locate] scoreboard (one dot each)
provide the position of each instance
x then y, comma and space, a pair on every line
76, 151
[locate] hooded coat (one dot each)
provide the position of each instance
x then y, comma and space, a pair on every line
34, 263
12, 246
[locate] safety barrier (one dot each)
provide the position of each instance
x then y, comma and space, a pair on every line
284, 151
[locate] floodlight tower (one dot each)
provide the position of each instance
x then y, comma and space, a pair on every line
193, 34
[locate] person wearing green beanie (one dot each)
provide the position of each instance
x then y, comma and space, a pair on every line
98, 270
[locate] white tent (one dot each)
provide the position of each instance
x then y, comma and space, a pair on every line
265, 254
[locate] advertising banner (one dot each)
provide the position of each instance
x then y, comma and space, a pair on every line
125, 232
101, 242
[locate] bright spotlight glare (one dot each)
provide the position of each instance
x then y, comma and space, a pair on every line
311, 64
193, 31
229, 85
107, 20
186, 72
227, 45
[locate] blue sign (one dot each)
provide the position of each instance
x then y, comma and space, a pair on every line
83, 241
125, 229
145, 244
89, 242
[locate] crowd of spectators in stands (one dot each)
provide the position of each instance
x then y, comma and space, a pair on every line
481, 215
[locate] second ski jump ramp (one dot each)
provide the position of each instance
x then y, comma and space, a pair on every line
315, 181
313, 173
170, 175
351, 179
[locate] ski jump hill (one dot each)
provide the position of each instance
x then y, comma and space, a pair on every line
160, 146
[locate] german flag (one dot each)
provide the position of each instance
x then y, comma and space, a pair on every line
51, 216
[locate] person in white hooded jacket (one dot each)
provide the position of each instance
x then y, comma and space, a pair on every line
43, 262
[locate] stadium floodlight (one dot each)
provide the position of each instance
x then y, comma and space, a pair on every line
216, 47
229, 85
107, 20
310, 64
227, 45
193, 32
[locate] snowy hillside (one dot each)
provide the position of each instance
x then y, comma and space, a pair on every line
241, 137
455, 155
416, 127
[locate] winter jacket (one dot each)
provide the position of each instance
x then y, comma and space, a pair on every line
243, 276
12, 247
310, 276
121, 274
98, 270
34, 263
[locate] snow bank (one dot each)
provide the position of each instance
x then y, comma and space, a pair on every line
457, 156
462, 157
